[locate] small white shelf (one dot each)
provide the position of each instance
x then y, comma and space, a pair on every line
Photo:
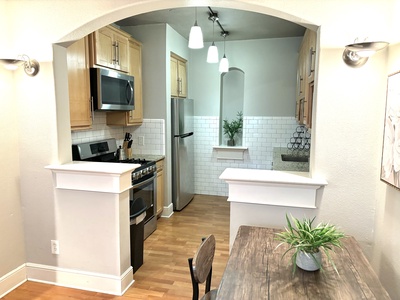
228, 152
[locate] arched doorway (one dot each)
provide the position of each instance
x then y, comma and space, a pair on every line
117, 14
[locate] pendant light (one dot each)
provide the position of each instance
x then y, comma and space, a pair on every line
224, 63
212, 55
196, 36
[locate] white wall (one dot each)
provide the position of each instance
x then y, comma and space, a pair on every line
11, 222
387, 221
347, 129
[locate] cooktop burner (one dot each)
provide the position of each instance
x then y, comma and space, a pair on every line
140, 161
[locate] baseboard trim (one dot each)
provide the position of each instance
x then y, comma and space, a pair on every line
167, 211
12, 280
95, 282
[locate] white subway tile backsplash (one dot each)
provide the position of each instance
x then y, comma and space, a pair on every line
260, 135
153, 131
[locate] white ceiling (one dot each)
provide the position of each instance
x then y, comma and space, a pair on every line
241, 25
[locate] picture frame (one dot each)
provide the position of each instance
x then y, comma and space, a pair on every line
390, 163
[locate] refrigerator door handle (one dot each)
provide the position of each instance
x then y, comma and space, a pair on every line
184, 135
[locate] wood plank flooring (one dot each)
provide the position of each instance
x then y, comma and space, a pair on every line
165, 272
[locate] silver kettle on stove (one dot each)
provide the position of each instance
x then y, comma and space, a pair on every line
120, 154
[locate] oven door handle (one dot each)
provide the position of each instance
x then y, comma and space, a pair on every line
144, 182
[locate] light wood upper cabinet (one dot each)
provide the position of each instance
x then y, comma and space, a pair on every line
133, 117
160, 186
109, 48
79, 85
178, 76
305, 79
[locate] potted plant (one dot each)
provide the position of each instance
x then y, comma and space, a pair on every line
233, 128
308, 242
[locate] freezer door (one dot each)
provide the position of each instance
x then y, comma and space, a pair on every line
182, 152
182, 116
183, 169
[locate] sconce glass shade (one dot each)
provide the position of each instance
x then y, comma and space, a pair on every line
11, 64
212, 54
224, 65
31, 66
357, 54
196, 37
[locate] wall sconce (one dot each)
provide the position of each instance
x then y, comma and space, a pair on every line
356, 55
31, 66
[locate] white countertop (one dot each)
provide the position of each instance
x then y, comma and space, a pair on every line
270, 176
93, 176
94, 167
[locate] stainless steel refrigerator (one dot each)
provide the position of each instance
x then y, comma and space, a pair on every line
182, 152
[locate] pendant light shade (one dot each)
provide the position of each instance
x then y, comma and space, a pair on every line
196, 36
212, 55
224, 65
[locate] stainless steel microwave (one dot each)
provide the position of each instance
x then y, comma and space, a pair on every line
111, 90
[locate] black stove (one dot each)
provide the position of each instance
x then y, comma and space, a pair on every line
146, 170
106, 151
143, 194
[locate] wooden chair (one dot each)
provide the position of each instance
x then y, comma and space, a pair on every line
201, 268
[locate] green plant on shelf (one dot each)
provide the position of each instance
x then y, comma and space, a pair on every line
231, 129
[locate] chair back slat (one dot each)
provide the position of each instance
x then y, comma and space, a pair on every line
203, 259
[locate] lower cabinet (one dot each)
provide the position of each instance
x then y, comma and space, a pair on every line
160, 186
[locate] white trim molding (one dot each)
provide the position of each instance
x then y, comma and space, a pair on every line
89, 281
12, 280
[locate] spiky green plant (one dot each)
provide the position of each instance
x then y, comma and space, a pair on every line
301, 236
234, 127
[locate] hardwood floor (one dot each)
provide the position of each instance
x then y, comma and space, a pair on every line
165, 272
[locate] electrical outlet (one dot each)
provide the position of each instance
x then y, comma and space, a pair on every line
55, 247
141, 140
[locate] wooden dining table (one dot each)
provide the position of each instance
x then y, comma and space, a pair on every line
256, 270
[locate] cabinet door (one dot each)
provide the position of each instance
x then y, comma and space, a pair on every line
121, 52
135, 69
182, 88
133, 117
160, 187
311, 40
79, 85
174, 77
110, 49
104, 50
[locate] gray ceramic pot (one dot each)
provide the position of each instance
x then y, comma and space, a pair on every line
306, 261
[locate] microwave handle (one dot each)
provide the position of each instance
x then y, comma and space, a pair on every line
129, 91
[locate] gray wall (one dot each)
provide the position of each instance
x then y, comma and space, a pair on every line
270, 76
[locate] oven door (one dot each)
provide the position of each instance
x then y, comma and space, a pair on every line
147, 191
